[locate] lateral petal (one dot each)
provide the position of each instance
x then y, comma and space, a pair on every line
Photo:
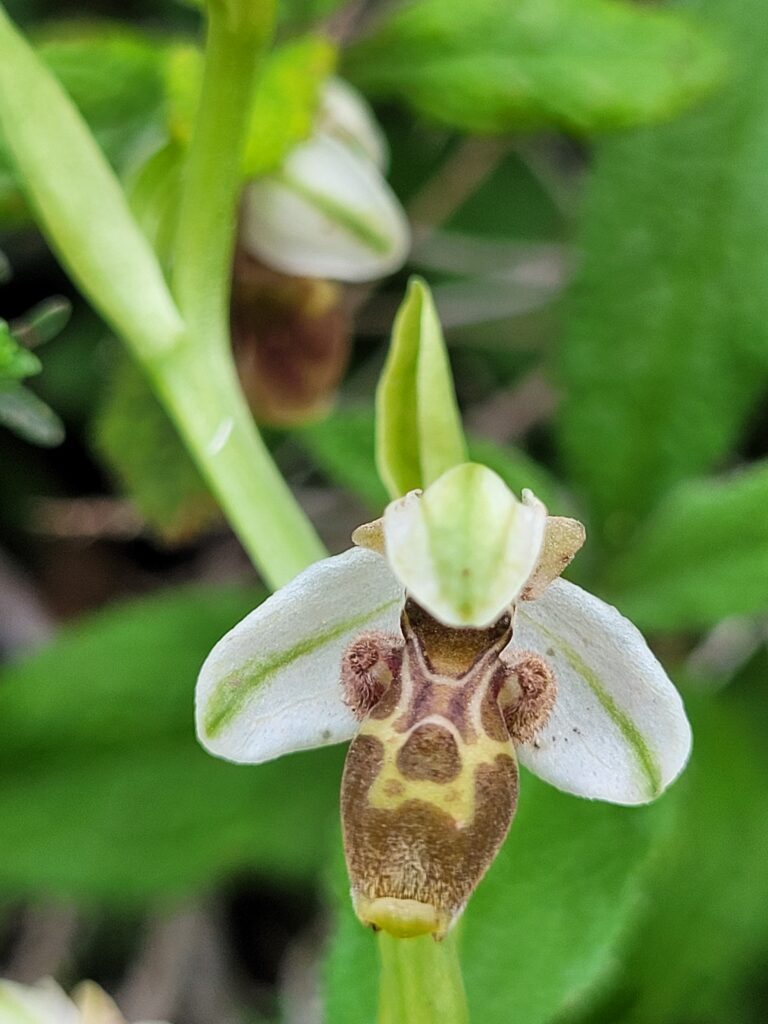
618, 731
272, 684
466, 547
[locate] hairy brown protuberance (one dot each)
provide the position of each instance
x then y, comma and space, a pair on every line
368, 667
529, 697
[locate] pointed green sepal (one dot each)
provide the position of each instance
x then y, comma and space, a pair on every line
418, 428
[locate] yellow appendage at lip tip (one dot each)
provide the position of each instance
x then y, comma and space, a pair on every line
405, 919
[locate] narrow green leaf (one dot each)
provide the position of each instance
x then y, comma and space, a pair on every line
491, 66
673, 289
702, 555
16, 362
154, 193
101, 723
418, 427
79, 201
29, 417
43, 322
114, 77
544, 925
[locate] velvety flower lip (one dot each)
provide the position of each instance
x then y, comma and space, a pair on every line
618, 731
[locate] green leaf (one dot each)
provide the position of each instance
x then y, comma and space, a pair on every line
542, 928
491, 66
29, 417
342, 446
134, 436
154, 192
16, 362
104, 792
286, 99
702, 555
673, 289
703, 935
301, 13
79, 202
418, 426
114, 77
43, 322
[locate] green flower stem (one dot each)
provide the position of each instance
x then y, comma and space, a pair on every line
83, 211
212, 176
200, 390
421, 981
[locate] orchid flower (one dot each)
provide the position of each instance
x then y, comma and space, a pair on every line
446, 644
327, 211
46, 1003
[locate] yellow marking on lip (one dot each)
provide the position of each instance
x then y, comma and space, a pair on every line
391, 788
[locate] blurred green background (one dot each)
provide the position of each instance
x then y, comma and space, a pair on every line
588, 187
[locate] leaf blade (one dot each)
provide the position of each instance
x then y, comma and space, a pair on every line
582, 64
668, 315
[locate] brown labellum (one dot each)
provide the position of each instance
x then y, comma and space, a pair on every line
430, 782
291, 340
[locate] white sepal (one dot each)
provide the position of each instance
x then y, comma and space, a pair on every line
466, 548
272, 684
345, 114
327, 213
618, 731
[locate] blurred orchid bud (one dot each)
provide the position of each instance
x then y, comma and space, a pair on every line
291, 339
328, 212
344, 113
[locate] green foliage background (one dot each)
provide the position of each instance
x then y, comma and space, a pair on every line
656, 349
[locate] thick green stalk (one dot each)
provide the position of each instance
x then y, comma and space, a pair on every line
421, 981
200, 390
83, 212
198, 382
212, 176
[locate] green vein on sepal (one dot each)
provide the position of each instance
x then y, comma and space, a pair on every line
643, 754
235, 689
